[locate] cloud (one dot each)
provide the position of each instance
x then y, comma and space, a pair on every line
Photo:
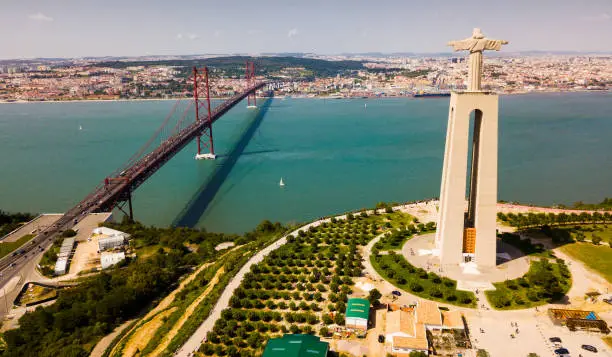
292, 33
39, 16
188, 36
597, 18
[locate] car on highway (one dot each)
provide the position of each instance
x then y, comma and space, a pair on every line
555, 340
589, 348
381, 338
396, 293
562, 352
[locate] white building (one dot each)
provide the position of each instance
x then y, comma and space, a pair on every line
108, 259
110, 238
61, 265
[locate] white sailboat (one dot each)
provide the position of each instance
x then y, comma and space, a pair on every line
80, 127
365, 105
281, 183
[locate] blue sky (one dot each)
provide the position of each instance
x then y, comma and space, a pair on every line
69, 28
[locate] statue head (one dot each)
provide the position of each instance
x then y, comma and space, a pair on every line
477, 34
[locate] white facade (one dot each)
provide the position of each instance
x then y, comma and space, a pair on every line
483, 187
109, 259
356, 322
110, 238
60, 266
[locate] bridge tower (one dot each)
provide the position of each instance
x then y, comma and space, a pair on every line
201, 97
250, 81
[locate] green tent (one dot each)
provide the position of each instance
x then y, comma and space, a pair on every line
298, 345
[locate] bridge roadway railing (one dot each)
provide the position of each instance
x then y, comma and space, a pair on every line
104, 197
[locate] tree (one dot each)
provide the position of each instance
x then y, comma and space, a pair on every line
339, 319
482, 353
417, 354
68, 233
595, 239
374, 297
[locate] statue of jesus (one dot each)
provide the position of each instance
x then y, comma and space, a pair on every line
476, 44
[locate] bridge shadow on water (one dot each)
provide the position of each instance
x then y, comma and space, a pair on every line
197, 205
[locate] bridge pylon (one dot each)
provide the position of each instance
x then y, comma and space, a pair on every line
201, 97
250, 81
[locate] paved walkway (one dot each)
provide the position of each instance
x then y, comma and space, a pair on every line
198, 337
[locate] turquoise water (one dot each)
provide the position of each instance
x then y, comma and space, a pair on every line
334, 155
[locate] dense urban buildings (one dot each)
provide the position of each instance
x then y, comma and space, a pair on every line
308, 75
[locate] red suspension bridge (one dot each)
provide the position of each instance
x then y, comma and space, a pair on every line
177, 130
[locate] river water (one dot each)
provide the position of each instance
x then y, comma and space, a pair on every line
333, 155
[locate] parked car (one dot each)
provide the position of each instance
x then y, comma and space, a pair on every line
555, 340
381, 338
589, 348
396, 293
562, 352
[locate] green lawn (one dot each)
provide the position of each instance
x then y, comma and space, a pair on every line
399, 219
596, 257
605, 233
545, 282
8, 247
398, 271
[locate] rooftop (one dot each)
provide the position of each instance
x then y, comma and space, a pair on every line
359, 308
298, 345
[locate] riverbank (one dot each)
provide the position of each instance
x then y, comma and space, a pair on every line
297, 96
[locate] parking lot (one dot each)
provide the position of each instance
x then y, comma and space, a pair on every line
535, 329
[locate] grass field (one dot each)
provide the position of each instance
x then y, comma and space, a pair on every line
604, 232
8, 247
37, 293
595, 257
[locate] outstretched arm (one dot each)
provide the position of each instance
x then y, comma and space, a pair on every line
463, 45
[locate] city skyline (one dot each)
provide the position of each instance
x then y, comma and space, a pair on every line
70, 29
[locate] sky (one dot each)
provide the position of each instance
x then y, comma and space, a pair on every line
70, 28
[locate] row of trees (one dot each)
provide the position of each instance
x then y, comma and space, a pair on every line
12, 221
330, 259
520, 220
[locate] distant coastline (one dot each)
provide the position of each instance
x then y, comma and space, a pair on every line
296, 96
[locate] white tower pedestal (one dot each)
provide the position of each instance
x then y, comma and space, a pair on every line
483, 187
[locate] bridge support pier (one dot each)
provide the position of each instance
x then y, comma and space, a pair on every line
201, 96
250, 78
130, 207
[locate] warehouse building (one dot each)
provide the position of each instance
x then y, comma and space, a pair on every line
296, 345
110, 238
61, 265
357, 314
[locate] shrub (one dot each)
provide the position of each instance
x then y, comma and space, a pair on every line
69, 233
466, 300
416, 287
435, 292
596, 239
